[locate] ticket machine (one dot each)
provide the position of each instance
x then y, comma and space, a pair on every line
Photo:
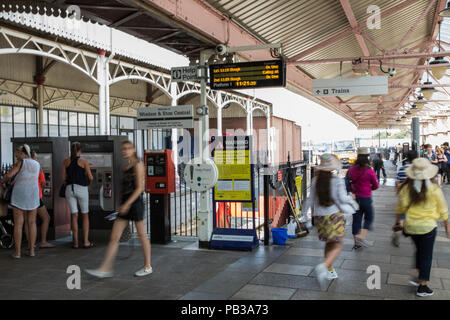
105, 160
51, 152
160, 183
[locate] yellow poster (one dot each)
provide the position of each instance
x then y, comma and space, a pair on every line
298, 195
235, 174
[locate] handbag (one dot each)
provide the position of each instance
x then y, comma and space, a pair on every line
7, 192
62, 190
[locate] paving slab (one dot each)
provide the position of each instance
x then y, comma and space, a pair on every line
285, 281
296, 270
260, 292
403, 280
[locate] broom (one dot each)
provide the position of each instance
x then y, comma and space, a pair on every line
301, 233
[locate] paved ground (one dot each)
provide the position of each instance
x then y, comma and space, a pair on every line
182, 271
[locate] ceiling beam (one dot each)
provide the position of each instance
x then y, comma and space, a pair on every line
345, 33
126, 19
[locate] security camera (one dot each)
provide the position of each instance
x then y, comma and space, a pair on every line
221, 49
392, 72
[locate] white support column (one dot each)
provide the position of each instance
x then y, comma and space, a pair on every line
269, 148
174, 102
102, 78
219, 114
40, 100
249, 117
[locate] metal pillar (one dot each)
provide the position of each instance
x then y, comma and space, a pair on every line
219, 114
205, 214
103, 93
415, 128
174, 102
40, 101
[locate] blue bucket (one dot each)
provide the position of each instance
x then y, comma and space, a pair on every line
279, 235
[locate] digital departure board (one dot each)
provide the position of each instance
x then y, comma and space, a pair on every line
246, 75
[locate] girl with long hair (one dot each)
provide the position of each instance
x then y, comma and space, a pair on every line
423, 204
330, 201
77, 175
132, 209
363, 181
24, 197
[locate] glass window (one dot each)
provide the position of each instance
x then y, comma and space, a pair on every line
19, 130
113, 122
6, 135
73, 118
6, 114
45, 132
53, 116
126, 123
73, 131
30, 114
82, 131
82, 119
90, 131
53, 131
63, 118
45, 116
31, 130
90, 120
63, 131
19, 115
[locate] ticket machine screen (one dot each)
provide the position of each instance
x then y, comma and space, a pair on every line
101, 187
45, 161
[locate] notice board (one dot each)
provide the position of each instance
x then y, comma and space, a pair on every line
233, 157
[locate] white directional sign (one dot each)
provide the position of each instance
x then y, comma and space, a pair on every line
376, 85
181, 74
170, 117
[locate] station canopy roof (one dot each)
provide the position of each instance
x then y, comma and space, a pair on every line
321, 39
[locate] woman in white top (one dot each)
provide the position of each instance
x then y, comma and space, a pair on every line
24, 197
330, 201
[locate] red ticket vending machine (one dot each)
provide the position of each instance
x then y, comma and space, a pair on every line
160, 183
160, 172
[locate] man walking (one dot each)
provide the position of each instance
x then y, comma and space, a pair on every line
447, 154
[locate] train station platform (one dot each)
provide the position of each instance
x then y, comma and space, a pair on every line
183, 271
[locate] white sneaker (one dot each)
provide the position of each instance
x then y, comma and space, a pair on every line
143, 272
99, 274
332, 274
322, 275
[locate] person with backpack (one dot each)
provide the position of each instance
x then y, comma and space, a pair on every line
331, 201
378, 165
362, 180
423, 203
77, 175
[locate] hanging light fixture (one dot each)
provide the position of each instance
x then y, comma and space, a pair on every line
446, 12
420, 102
439, 72
408, 113
428, 91
403, 117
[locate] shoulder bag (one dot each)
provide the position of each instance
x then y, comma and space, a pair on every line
7, 192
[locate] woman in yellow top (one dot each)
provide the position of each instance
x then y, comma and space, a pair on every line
423, 203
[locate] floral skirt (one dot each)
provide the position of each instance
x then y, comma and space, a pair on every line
330, 228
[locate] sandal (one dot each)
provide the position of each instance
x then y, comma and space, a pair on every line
73, 247
15, 257
91, 245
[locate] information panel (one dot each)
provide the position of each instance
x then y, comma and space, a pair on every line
232, 155
257, 74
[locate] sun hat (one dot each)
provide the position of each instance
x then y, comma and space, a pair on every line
422, 169
363, 150
329, 162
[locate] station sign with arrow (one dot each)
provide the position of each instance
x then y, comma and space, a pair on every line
371, 85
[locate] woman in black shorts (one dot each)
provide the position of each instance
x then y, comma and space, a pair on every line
132, 209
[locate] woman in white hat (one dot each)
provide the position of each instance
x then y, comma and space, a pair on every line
330, 201
423, 203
